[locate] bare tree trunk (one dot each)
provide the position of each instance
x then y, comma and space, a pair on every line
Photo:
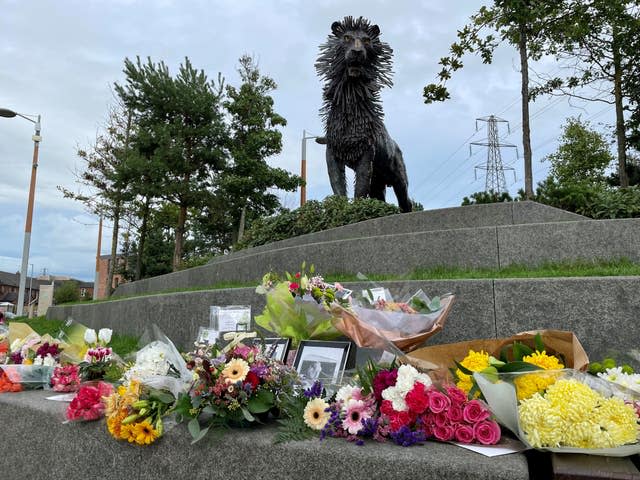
526, 131
113, 263
143, 238
620, 128
243, 215
177, 252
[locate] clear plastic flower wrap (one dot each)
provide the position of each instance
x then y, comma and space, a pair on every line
577, 413
403, 324
159, 365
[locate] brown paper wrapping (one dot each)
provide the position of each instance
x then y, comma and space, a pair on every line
366, 335
439, 358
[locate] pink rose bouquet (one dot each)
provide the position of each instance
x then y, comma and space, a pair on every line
66, 379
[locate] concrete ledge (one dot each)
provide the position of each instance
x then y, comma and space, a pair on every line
35, 444
483, 215
180, 314
602, 311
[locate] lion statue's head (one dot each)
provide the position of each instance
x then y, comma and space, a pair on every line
353, 51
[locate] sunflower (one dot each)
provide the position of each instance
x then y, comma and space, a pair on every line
235, 371
144, 433
315, 414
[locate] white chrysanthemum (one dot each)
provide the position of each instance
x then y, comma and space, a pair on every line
407, 378
396, 396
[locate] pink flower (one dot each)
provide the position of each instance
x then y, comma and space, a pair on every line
98, 354
87, 404
417, 399
444, 433
454, 414
475, 411
457, 396
440, 419
383, 380
356, 412
464, 433
293, 286
487, 432
65, 379
438, 402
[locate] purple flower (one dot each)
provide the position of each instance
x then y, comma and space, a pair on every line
405, 437
384, 379
314, 391
16, 357
333, 427
370, 426
260, 370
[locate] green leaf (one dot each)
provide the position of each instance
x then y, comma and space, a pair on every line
518, 366
201, 434
463, 369
539, 343
163, 397
247, 415
194, 428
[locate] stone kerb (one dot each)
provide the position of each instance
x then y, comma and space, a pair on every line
179, 315
482, 215
85, 450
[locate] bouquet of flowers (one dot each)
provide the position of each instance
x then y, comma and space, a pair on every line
233, 386
576, 413
88, 404
378, 321
298, 306
400, 404
31, 358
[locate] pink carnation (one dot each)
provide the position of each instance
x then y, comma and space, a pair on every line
487, 432
397, 420
417, 399
66, 379
87, 404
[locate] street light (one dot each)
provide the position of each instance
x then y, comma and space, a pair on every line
303, 166
4, 112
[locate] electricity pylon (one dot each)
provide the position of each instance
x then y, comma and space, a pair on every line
494, 181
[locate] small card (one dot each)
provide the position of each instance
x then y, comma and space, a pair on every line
235, 318
207, 336
375, 294
64, 397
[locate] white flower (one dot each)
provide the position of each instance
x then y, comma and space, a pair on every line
345, 393
104, 335
90, 336
37, 361
49, 361
407, 378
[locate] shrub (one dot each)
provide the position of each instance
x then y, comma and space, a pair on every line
314, 216
66, 292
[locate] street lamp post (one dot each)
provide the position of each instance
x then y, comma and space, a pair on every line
303, 166
32, 187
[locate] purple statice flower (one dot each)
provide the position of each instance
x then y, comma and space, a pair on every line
405, 437
219, 360
333, 427
259, 369
314, 391
369, 427
16, 357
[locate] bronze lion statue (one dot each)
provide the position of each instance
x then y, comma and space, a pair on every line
355, 65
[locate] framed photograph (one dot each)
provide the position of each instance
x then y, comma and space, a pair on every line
324, 361
276, 348
207, 335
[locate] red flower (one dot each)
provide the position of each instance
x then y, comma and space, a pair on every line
87, 404
253, 380
417, 399
386, 408
384, 379
298, 275
397, 420
293, 286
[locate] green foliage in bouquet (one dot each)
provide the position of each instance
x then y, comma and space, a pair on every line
297, 307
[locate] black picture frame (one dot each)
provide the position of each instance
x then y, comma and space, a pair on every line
278, 346
322, 360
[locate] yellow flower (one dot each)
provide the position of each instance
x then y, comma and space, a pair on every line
127, 432
571, 414
474, 361
527, 385
235, 371
315, 415
144, 433
27, 361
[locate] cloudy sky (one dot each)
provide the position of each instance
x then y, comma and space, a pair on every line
60, 59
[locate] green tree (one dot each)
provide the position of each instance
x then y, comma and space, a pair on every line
577, 175
247, 183
486, 197
66, 292
599, 39
521, 23
181, 131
